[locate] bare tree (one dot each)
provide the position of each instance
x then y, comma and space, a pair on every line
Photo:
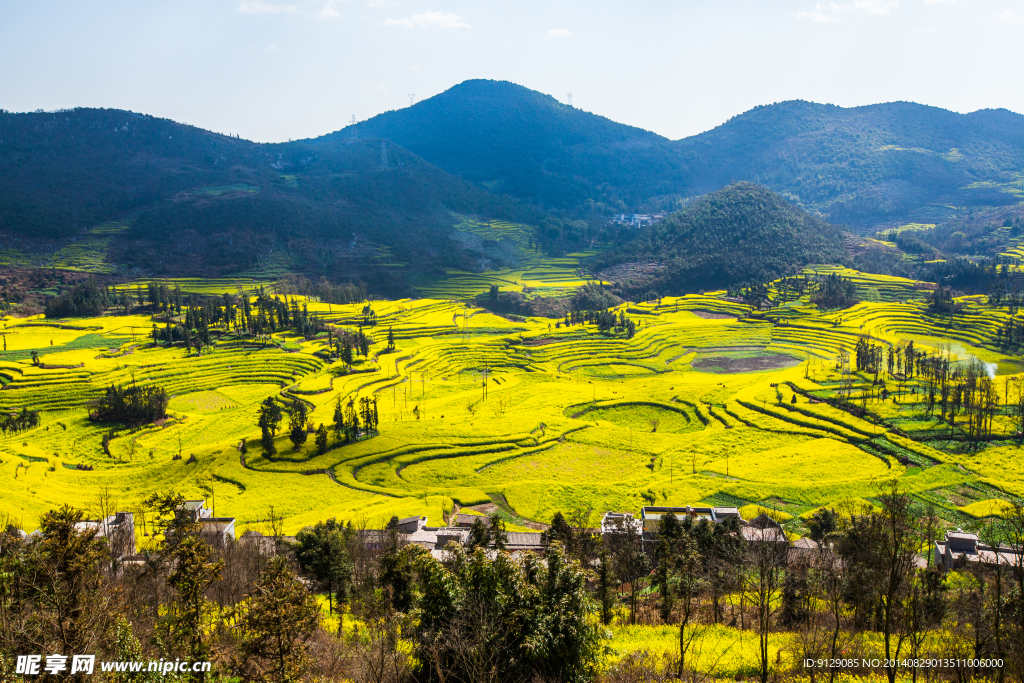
762, 586
897, 545
625, 544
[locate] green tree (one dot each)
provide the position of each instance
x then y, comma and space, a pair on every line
269, 421
490, 619
275, 625
339, 417
324, 553
182, 627
346, 351
129, 649
822, 523
52, 593
479, 534
497, 535
321, 439
297, 424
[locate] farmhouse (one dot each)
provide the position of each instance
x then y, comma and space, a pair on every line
959, 548
466, 520
117, 529
651, 515
216, 530
437, 538
617, 521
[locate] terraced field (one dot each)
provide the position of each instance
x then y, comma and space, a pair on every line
709, 401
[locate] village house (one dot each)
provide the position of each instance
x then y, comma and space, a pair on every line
117, 529
216, 530
651, 515
436, 539
963, 548
613, 522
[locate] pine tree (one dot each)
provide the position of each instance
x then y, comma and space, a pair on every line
321, 439
339, 417
269, 420
297, 425
182, 625
346, 352
276, 622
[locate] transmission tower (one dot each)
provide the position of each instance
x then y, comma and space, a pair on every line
412, 98
570, 99
353, 121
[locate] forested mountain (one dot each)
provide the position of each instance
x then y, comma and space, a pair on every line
352, 203
527, 144
863, 165
204, 202
743, 234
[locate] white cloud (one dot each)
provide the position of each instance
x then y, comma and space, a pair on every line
834, 11
559, 33
328, 11
429, 20
258, 7
271, 48
940, 2
1008, 17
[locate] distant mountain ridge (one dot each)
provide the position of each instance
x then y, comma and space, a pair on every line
204, 203
356, 202
863, 165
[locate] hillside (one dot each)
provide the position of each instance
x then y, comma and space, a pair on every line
743, 234
204, 203
863, 166
519, 141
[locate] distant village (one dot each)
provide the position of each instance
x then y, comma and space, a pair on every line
635, 220
958, 548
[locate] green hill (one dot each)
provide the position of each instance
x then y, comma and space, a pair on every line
516, 140
865, 165
861, 165
743, 234
204, 203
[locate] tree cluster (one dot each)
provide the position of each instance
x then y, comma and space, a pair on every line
131, 405
83, 300
321, 290
835, 292
14, 423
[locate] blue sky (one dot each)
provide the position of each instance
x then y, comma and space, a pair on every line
271, 70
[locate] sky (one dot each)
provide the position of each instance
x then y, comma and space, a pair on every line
274, 70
